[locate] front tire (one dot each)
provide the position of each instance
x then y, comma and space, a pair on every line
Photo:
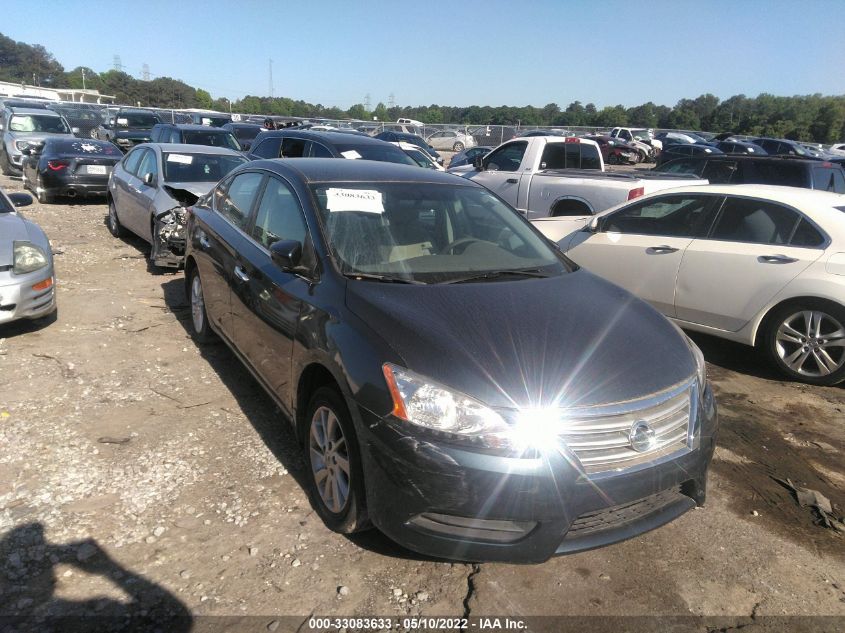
336, 477
200, 329
806, 341
115, 227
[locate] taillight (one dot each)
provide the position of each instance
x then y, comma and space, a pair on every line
572, 139
636, 193
57, 165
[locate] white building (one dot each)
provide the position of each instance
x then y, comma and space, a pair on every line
9, 89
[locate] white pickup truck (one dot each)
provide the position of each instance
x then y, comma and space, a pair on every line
543, 176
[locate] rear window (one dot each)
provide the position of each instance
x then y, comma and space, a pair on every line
78, 146
570, 156
829, 179
385, 153
721, 172
806, 235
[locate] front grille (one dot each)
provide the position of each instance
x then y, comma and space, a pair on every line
601, 437
622, 514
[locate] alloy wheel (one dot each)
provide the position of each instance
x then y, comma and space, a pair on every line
197, 304
329, 459
811, 343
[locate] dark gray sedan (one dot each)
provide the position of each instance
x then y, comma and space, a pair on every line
453, 379
151, 187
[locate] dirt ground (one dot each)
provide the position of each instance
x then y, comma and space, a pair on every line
138, 469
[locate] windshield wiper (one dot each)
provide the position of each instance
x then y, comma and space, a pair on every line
382, 278
495, 274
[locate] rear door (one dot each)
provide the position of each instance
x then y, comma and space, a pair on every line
502, 170
266, 301
219, 240
756, 247
123, 181
640, 246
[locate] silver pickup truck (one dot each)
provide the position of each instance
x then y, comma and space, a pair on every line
549, 176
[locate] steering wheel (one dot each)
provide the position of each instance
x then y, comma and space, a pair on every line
463, 241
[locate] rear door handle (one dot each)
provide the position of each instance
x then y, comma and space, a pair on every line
240, 273
512, 181
776, 259
657, 250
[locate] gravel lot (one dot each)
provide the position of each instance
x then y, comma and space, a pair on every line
139, 472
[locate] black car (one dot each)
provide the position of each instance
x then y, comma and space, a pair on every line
679, 150
193, 135
784, 147
739, 147
307, 144
740, 169
69, 167
419, 141
244, 133
127, 128
213, 119
83, 118
451, 378
467, 156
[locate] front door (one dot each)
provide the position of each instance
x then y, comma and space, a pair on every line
501, 171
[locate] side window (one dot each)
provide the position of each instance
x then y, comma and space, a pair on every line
754, 221
682, 166
293, 148
130, 163
320, 151
590, 157
268, 148
829, 179
720, 172
669, 216
174, 137
279, 216
234, 200
773, 172
806, 235
507, 158
149, 165
554, 156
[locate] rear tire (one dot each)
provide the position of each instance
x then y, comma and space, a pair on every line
115, 227
806, 341
335, 474
612, 159
43, 196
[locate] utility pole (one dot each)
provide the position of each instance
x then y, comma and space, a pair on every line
145, 72
367, 102
271, 78
117, 63
391, 101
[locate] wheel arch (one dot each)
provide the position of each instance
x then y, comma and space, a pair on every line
313, 376
762, 323
570, 203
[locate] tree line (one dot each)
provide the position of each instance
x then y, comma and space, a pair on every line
816, 117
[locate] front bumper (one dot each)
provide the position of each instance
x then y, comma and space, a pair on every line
18, 299
429, 496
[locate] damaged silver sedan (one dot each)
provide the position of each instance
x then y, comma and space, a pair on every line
151, 188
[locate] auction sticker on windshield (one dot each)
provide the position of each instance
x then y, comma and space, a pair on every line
366, 200
180, 158
351, 154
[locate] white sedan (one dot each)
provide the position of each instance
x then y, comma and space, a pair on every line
760, 265
450, 141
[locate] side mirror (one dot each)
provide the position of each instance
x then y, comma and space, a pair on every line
286, 254
478, 163
75, 130
593, 225
20, 199
149, 180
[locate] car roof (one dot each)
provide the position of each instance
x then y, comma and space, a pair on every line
314, 170
330, 137
28, 110
192, 127
772, 158
189, 148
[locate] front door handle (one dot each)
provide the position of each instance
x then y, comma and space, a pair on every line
512, 181
776, 259
659, 250
240, 273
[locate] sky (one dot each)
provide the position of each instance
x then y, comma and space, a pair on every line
459, 53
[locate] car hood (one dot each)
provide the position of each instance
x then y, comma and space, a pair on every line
196, 188
572, 340
12, 229
462, 170
35, 137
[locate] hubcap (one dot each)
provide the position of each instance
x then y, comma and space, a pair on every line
811, 343
329, 459
197, 304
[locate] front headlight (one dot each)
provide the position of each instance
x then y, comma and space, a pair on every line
700, 365
27, 258
428, 404
21, 145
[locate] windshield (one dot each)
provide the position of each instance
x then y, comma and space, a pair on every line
427, 232
198, 167
38, 123
643, 134
384, 153
215, 139
135, 120
421, 158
